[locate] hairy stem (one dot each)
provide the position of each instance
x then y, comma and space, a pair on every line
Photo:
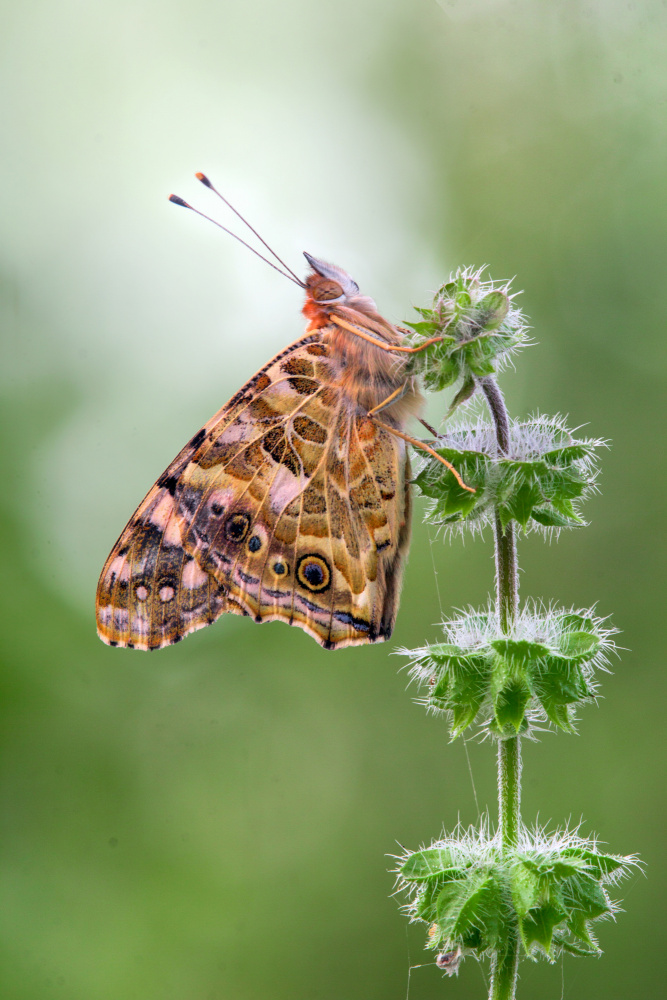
504, 973
509, 790
505, 968
496, 403
507, 579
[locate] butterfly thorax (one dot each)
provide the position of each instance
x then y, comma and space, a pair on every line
367, 374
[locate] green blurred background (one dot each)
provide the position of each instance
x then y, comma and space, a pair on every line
213, 821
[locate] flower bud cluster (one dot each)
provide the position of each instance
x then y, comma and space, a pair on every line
515, 683
478, 898
539, 483
480, 328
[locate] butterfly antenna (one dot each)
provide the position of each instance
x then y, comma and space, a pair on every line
174, 198
206, 182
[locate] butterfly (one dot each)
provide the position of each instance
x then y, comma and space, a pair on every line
293, 502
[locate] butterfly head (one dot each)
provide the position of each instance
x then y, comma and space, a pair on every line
329, 287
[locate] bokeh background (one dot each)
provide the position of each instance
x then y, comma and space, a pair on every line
215, 820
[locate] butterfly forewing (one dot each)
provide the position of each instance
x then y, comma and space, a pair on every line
288, 505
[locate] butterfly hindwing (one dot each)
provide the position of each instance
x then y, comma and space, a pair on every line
288, 505
293, 501
151, 592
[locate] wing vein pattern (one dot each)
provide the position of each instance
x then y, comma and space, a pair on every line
290, 504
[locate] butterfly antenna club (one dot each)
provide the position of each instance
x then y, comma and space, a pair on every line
176, 200
203, 179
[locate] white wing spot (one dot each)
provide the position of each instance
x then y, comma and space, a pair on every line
193, 576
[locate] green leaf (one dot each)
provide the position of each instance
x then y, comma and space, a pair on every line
443, 652
481, 368
473, 940
510, 705
603, 864
574, 622
492, 310
441, 373
577, 645
586, 949
458, 500
566, 507
468, 687
558, 714
578, 926
425, 903
442, 689
552, 518
561, 682
463, 395
537, 927
584, 894
507, 732
564, 493
524, 500
567, 453
464, 706
426, 329
479, 349
450, 519
449, 901
520, 651
440, 484
561, 869
552, 869
427, 863
483, 911
463, 715
526, 889
504, 513
471, 905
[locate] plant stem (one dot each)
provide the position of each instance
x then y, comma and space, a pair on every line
507, 604
496, 403
509, 790
507, 580
504, 970
504, 974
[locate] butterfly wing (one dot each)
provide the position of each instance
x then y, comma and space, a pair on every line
288, 505
151, 592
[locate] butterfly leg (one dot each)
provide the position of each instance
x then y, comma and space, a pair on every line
415, 441
428, 427
339, 321
395, 396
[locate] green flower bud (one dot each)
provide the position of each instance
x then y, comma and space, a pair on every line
540, 482
477, 897
513, 684
480, 327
